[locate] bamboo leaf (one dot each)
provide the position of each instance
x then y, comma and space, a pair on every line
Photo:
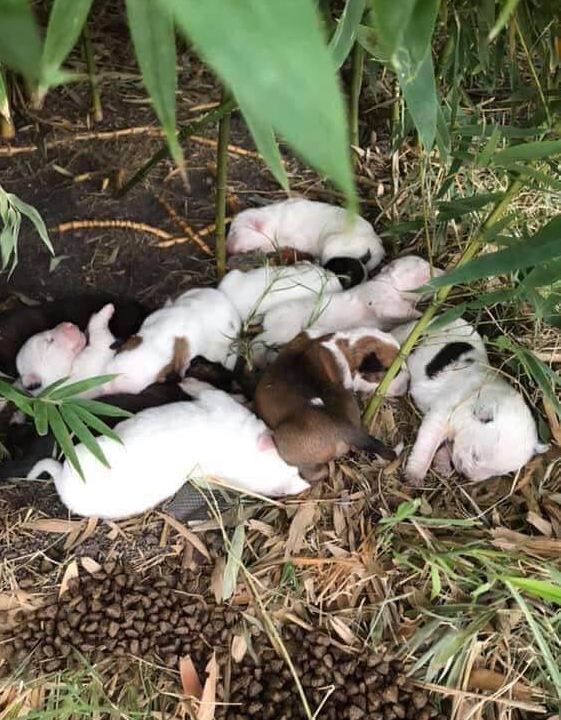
528, 152
419, 91
95, 423
78, 427
31, 214
544, 246
41, 417
233, 563
66, 20
152, 30
62, 436
266, 143
4, 100
20, 42
543, 275
463, 206
551, 592
506, 11
22, 401
391, 19
77, 388
101, 408
259, 48
345, 34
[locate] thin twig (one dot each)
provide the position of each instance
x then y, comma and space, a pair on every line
113, 224
232, 149
221, 180
203, 232
191, 129
184, 226
356, 85
97, 110
443, 690
471, 250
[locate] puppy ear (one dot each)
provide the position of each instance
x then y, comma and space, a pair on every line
370, 363
265, 442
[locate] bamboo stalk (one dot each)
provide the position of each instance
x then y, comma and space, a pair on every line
357, 70
469, 253
97, 110
192, 128
221, 180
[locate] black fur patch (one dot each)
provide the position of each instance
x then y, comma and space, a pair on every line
371, 364
449, 354
366, 258
350, 271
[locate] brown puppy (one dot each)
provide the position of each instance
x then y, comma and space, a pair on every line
302, 397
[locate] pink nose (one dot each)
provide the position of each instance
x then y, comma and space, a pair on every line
70, 334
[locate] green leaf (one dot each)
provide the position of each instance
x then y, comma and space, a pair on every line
20, 42
66, 20
231, 570
260, 49
78, 427
551, 592
543, 275
419, 91
391, 19
41, 417
31, 214
544, 246
4, 100
62, 436
95, 423
266, 143
345, 34
68, 391
463, 206
507, 10
22, 401
152, 30
528, 152
101, 408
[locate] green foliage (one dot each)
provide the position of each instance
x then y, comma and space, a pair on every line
11, 211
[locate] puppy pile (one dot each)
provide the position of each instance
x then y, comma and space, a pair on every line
319, 333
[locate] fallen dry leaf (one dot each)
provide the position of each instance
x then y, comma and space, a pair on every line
510, 540
190, 682
483, 679
217, 579
187, 534
239, 648
343, 630
208, 698
54, 526
70, 573
90, 565
299, 526
540, 523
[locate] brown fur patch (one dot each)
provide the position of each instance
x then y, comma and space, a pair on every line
356, 353
131, 344
178, 362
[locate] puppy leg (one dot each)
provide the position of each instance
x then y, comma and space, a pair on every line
443, 462
433, 432
98, 327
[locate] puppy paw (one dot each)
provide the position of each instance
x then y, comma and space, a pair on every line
414, 476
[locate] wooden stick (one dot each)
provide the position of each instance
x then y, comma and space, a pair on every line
97, 110
113, 224
233, 149
183, 225
203, 232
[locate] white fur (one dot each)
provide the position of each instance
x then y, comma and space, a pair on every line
473, 417
323, 230
256, 291
211, 436
381, 302
204, 317
359, 383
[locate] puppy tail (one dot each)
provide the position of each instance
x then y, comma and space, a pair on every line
52, 467
361, 440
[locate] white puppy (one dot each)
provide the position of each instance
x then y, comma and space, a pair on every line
200, 322
473, 418
323, 230
256, 291
384, 301
162, 447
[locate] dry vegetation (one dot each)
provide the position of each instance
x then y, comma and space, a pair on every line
356, 601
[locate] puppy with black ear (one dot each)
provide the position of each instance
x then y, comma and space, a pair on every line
473, 420
306, 397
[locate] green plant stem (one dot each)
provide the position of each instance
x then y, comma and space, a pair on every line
469, 253
221, 180
191, 129
534, 73
97, 110
356, 85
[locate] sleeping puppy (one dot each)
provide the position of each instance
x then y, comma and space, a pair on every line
163, 447
306, 398
256, 291
325, 231
473, 419
27, 448
386, 300
21, 323
200, 322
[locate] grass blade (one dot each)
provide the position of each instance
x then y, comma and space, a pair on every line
542, 589
62, 436
345, 34
31, 214
152, 29
463, 206
527, 152
235, 550
82, 432
20, 42
259, 48
66, 20
266, 143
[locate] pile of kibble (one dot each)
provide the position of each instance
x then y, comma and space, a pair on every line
363, 686
118, 613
